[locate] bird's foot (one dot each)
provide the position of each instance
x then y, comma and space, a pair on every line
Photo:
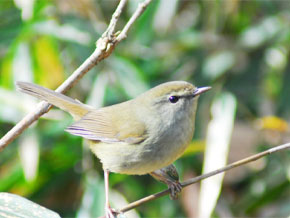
175, 189
110, 212
169, 176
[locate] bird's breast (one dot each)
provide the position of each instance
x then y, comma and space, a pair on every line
165, 143
170, 142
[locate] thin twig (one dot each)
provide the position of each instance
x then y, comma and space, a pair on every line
199, 178
115, 17
141, 8
105, 46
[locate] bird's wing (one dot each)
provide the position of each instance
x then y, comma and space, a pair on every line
110, 126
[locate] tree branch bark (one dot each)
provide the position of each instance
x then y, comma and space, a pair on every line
204, 176
105, 46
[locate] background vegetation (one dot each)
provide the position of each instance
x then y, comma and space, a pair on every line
240, 48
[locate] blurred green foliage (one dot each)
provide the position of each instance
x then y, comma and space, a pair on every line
241, 47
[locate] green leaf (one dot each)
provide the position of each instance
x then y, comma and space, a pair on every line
16, 206
218, 138
217, 64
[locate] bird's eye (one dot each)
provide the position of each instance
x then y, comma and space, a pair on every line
173, 99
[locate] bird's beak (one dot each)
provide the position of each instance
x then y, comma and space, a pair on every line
201, 90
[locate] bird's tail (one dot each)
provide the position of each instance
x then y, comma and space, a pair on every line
75, 108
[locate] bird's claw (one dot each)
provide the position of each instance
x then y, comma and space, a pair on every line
169, 176
175, 189
110, 212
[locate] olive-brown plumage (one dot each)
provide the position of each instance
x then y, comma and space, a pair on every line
137, 136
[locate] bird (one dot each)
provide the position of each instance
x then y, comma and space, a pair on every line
144, 135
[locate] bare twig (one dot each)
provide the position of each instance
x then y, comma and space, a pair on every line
141, 8
105, 46
115, 17
199, 178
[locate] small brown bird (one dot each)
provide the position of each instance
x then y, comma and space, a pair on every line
136, 137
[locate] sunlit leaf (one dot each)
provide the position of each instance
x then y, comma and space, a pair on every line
273, 123
218, 139
48, 68
166, 8
6, 71
29, 154
16, 206
22, 63
218, 63
14, 105
194, 147
63, 32
26, 8
276, 57
257, 35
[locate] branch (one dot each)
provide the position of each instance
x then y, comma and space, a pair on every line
105, 46
204, 176
115, 17
141, 8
